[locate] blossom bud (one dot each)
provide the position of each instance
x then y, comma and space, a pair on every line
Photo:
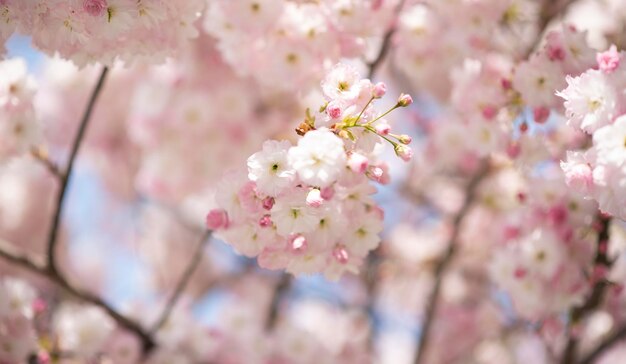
341, 254
405, 139
327, 193
265, 221
314, 198
298, 244
405, 100
95, 7
403, 152
608, 61
268, 203
358, 163
379, 174
333, 111
541, 114
382, 128
379, 90
217, 219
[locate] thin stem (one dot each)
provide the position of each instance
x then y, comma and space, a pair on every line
43, 158
386, 45
196, 258
594, 300
54, 229
362, 111
442, 265
383, 115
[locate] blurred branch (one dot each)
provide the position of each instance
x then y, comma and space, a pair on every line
442, 264
594, 300
12, 255
283, 285
386, 45
550, 10
54, 229
618, 335
196, 258
42, 157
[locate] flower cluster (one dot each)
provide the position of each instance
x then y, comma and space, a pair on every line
293, 41
594, 103
308, 208
19, 130
88, 31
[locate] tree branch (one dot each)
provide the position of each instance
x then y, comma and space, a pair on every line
282, 287
54, 229
42, 157
12, 255
595, 354
386, 45
196, 258
442, 265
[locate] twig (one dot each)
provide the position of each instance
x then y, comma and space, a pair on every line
54, 229
281, 288
594, 300
442, 265
10, 254
196, 258
384, 48
42, 157
617, 336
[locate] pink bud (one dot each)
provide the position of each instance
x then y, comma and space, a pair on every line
556, 53
379, 174
608, 61
333, 111
314, 198
95, 7
341, 254
268, 203
541, 114
382, 128
405, 100
298, 244
520, 273
265, 221
513, 150
327, 193
405, 139
217, 219
39, 305
358, 163
404, 152
379, 90
489, 112
43, 357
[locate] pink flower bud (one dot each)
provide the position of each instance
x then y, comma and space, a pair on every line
298, 244
39, 305
405, 100
404, 152
95, 7
382, 128
358, 163
268, 203
489, 112
608, 61
333, 111
327, 193
541, 114
379, 90
217, 219
314, 198
265, 221
405, 139
341, 254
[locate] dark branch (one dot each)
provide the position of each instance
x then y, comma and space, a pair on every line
196, 258
595, 354
281, 289
386, 45
54, 229
442, 265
